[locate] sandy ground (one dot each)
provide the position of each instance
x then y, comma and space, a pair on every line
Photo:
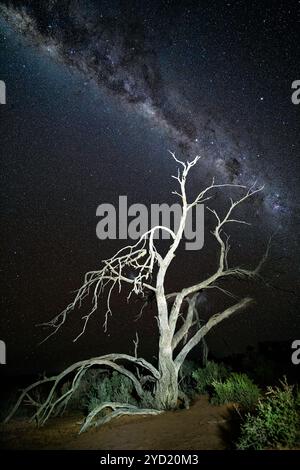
203, 426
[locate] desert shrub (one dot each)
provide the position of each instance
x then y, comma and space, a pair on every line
204, 377
103, 388
297, 399
237, 388
187, 369
148, 400
87, 384
186, 380
253, 434
275, 421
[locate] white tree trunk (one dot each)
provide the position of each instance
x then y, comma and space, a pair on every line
166, 392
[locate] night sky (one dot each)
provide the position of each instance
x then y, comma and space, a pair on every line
97, 93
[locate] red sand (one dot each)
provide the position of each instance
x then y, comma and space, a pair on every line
203, 426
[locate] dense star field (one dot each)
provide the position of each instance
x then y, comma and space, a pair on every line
97, 93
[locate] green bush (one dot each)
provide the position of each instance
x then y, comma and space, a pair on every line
148, 400
87, 386
102, 388
275, 422
297, 400
237, 388
205, 376
186, 380
187, 369
253, 434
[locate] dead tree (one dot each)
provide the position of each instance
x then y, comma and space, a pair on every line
178, 324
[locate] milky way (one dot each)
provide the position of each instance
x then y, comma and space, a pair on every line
117, 55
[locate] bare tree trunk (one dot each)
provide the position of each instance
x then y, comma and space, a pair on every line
166, 392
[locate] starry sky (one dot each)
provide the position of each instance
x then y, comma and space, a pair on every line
97, 93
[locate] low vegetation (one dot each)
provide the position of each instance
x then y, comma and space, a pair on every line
269, 418
275, 421
204, 377
237, 388
109, 388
